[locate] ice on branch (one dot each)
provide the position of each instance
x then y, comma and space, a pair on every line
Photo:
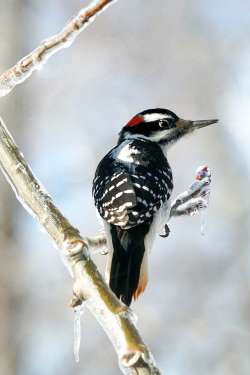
98, 244
39, 56
196, 198
201, 173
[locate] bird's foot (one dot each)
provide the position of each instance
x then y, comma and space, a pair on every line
166, 231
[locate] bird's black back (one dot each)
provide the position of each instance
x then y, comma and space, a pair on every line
130, 188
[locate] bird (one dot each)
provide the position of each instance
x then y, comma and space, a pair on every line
132, 190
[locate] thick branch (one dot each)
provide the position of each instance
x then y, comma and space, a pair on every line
28, 64
115, 318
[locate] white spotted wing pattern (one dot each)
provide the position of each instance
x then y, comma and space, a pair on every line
132, 182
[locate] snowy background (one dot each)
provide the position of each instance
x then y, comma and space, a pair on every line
192, 57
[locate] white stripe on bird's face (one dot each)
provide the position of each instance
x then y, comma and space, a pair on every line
150, 117
159, 135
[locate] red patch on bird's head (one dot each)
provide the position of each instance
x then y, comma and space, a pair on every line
135, 121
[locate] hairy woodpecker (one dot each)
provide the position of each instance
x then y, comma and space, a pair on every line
132, 189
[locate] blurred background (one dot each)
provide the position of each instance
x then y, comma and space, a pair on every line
192, 57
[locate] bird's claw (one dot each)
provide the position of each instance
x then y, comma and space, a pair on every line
166, 231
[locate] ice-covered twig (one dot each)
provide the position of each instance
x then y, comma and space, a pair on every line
89, 286
196, 197
38, 57
98, 244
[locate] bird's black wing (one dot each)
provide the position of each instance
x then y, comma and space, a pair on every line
129, 190
114, 196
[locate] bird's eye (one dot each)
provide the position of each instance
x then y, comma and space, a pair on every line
166, 123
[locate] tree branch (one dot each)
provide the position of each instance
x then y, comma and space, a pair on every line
89, 286
39, 56
116, 319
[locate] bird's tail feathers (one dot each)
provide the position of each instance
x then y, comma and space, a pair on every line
127, 276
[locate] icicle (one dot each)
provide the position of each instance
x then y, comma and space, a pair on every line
78, 311
203, 223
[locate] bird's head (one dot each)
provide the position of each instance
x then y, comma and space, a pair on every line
161, 126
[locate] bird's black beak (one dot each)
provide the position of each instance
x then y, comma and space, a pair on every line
187, 125
202, 123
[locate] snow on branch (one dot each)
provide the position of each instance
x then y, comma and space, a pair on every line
33, 61
116, 319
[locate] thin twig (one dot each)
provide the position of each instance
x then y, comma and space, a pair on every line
33, 61
97, 244
115, 318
